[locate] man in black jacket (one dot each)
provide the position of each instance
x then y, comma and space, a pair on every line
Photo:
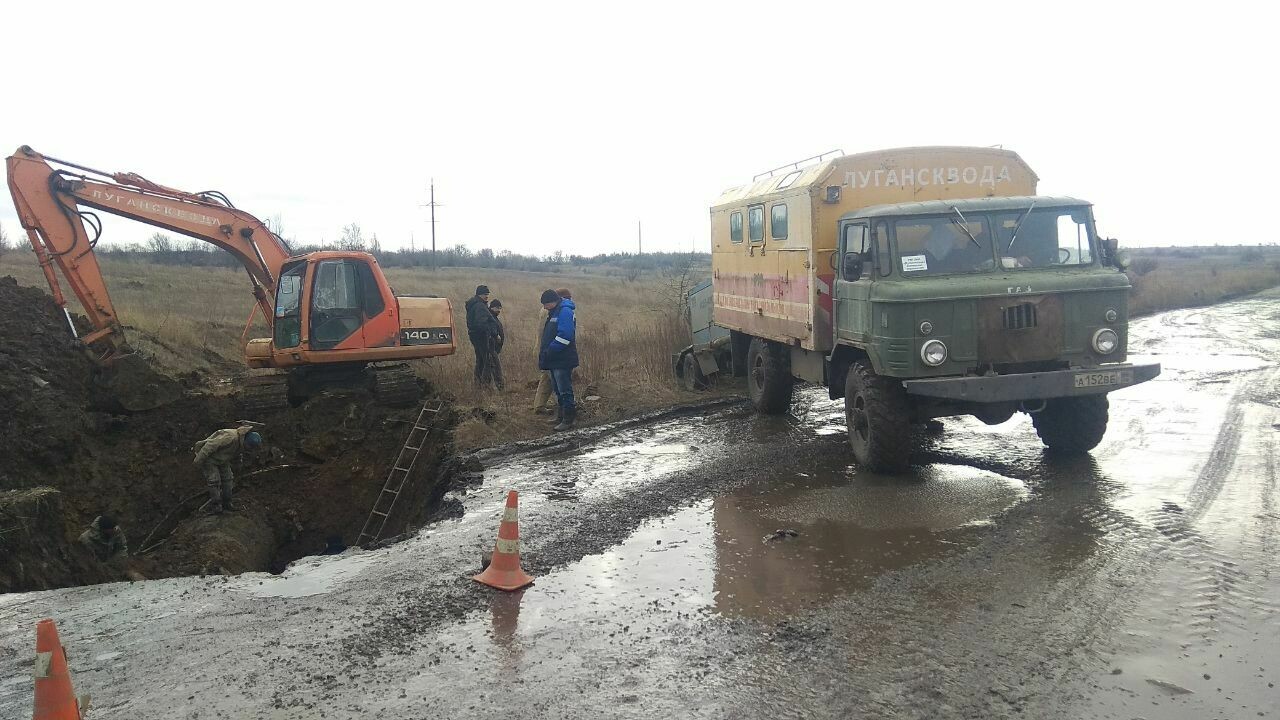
480, 327
493, 360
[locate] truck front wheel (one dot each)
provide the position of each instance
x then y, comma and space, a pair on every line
876, 410
1073, 425
769, 380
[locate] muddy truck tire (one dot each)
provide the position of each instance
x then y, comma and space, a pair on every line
769, 380
1072, 425
879, 421
691, 377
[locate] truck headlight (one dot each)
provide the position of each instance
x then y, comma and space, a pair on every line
1105, 341
933, 353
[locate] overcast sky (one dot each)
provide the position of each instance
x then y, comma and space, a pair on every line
556, 127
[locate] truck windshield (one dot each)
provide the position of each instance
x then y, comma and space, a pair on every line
1049, 237
943, 245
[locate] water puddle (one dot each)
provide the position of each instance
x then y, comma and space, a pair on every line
727, 555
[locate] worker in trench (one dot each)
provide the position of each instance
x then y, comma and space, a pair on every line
214, 456
105, 542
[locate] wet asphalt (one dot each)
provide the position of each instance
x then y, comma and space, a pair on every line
992, 581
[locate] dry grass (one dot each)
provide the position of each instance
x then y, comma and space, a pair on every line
1168, 282
192, 319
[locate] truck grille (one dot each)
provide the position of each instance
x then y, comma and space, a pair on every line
1020, 317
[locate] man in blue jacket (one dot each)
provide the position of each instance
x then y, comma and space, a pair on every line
558, 354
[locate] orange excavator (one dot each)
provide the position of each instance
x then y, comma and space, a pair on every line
333, 317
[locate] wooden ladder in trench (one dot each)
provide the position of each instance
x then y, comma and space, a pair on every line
399, 473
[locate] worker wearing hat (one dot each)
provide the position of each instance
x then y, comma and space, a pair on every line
558, 354
492, 372
214, 456
480, 327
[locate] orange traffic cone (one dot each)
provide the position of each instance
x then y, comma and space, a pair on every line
504, 571
54, 697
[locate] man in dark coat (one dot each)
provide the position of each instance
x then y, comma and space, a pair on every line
480, 327
493, 361
558, 353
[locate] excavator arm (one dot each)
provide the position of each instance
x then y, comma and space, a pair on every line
51, 202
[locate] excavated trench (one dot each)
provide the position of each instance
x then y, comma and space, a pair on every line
75, 443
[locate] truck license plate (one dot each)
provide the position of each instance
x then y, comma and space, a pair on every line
1102, 379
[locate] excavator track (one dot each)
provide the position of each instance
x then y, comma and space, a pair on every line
396, 385
264, 395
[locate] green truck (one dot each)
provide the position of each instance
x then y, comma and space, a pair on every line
910, 311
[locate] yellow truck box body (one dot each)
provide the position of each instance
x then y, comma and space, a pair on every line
772, 268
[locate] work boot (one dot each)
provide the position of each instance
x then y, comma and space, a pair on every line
566, 420
559, 416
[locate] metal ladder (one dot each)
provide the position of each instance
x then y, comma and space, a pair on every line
400, 471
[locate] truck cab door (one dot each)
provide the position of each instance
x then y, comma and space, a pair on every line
855, 272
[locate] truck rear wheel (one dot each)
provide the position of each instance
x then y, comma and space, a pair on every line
769, 380
879, 420
1072, 425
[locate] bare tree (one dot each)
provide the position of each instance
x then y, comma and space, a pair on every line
4, 241
275, 224
678, 279
160, 243
352, 238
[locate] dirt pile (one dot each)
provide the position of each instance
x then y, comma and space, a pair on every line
75, 443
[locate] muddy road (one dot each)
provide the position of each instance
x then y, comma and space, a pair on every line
995, 581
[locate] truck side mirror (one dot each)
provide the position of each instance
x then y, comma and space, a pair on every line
852, 266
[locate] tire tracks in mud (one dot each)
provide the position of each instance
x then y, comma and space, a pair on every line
1042, 655
1222, 589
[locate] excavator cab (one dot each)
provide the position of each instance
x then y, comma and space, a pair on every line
336, 307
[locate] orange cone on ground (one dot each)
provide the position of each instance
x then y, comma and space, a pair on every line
54, 697
504, 571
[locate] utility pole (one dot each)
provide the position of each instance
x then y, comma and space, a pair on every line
433, 205
639, 239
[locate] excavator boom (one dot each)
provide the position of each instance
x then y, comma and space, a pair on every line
49, 203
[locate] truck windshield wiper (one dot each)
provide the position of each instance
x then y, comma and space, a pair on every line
1018, 226
964, 225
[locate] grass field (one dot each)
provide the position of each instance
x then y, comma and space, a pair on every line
191, 319
1168, 278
